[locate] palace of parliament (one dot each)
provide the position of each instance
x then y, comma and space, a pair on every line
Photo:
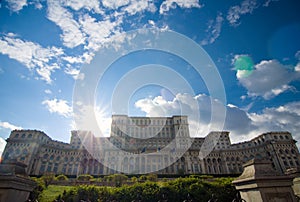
140, 145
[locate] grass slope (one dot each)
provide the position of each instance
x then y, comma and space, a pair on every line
53, 191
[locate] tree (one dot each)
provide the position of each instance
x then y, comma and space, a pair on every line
34, 195
48, 178
151, 177
119, 179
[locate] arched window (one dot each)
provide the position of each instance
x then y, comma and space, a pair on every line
18, 151
25, 151
293, 151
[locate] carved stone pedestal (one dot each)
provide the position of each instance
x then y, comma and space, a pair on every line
15, 185
260, 182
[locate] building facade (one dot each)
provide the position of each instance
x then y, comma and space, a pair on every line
135, 143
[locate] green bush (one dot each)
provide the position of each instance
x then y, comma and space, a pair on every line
84, 177
98, 179
117, 179
151, 177
177, 190
48, 178
134, 179
61, 178
142, 178
40, 186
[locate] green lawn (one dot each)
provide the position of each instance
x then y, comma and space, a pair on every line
50, 193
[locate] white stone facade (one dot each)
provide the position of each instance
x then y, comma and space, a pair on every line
144, 135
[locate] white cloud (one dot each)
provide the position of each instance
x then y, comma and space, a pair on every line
282, 118
130, 6
268, 79
137, 6
297, 55
7, 125
297, 68
268, 2
75, 73
2, 146
213, 31
90, 5
38, 4
48, 91
171, 4
60, 107
85, 58
186, 104
241, 124
115, 4
235, 12
72, 35
91, 118
98, 32
30, 54
16, 5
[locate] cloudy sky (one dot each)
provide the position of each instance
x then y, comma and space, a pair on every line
253, 44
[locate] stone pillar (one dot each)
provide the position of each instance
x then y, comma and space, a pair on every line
15, 185
295, 174
260, 182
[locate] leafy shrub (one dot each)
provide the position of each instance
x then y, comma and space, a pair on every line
142, 178
98, 179
84, 177
117, 179
34, 195
48, 178
177, 190
62, 178
151, 177
134, 179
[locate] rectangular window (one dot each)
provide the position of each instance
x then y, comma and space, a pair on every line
42, 168
55, 169
49, 169
64, 169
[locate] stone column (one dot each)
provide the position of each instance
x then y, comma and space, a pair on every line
260, 182
15, 185
295, 174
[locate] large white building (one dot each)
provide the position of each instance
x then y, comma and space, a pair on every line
142, 144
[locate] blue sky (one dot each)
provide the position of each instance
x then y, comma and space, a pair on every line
254, 45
